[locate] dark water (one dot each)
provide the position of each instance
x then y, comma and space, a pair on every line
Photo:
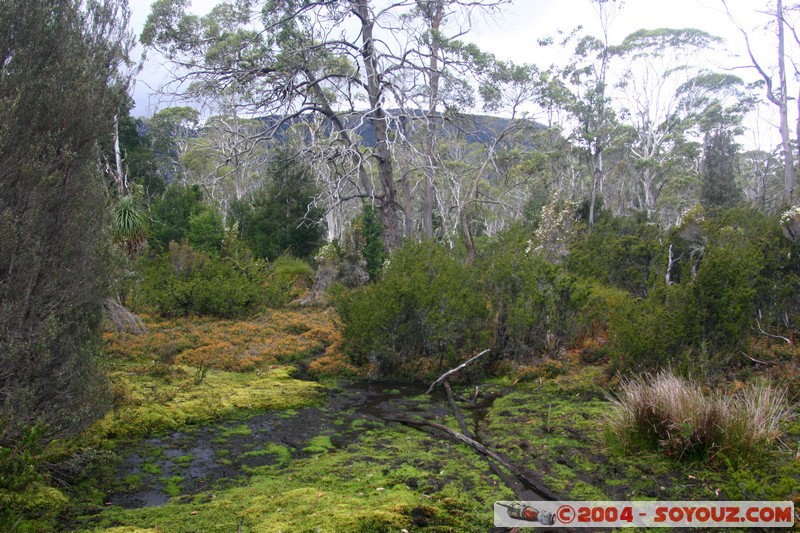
195, 458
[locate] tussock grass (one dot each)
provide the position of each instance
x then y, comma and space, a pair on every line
689, 422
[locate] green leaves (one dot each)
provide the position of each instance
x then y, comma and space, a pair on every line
130, 226
169, 28
644, 43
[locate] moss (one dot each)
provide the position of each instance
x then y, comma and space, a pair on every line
392, 477
320, 444
133, 481
172, 485
242, 430
376, 484
282, 454
184, 459
166, 406
582, 491
152, 468
359, 423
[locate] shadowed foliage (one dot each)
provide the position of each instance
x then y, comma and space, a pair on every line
58, 60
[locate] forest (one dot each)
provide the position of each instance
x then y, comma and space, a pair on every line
231, 315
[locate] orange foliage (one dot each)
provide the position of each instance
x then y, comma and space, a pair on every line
278, 336
335, 365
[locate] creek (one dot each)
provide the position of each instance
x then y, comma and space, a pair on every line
187, 462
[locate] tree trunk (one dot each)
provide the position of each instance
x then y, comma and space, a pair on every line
788, 157
392, 236
119, 175
431, 123
597, 178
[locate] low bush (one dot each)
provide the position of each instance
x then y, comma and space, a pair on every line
664, 411
623, 252
535, 304
695, 324
18, 475
648, 334
185, 282
423, 316
287, 278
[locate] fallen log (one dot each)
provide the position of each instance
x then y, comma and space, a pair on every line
454, 370
512, 484
543, 492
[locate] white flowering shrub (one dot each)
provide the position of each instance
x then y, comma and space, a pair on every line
790, 221
555, 229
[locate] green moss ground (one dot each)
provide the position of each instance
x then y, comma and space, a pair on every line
389, 478
392, 478
558, 430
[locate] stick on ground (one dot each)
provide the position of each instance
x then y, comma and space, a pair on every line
453, 371
534, 485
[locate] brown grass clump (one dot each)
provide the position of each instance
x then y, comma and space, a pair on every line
677, 415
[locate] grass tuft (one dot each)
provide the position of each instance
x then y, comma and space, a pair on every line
677, 415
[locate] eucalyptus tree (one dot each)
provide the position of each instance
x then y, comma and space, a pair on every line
441, 68
776, 87
346, 60
474, 180
762, 179
170, 130
590, 101
657, 63
226, 158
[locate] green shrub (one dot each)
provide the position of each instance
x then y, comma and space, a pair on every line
281, 217
18, 474
646, 334
705, 316
206, 231
622, 252
423, 316
674, 414
722, 298
370, 231
287, 278
185, 282
535, 303
171, 214
602, 304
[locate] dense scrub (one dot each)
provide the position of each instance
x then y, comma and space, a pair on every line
691, 299
732, 275
429, 310
54, 232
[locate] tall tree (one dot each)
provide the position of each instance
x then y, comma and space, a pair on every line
58, 62
778, 95
657, 63
591, 104
294, 59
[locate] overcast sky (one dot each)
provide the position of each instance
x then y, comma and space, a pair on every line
514, 35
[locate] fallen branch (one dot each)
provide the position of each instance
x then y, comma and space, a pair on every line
542, 491
753, 359
453, 371
768, 334
496, 470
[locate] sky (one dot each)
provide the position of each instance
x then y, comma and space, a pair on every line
514, 34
